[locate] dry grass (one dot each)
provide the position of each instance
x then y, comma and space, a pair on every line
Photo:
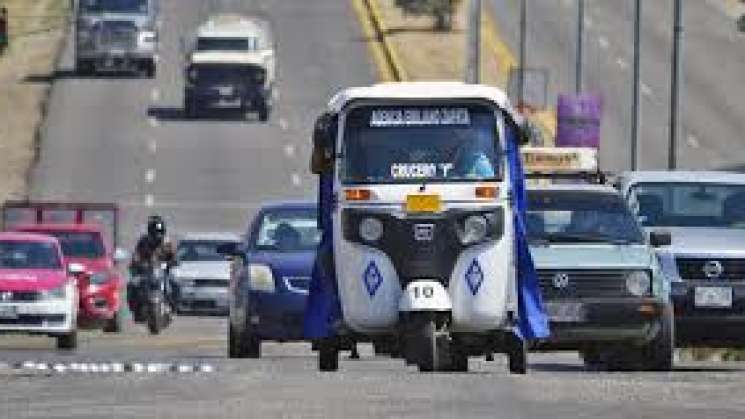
36, 30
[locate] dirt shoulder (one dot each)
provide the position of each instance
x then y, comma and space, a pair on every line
36, 30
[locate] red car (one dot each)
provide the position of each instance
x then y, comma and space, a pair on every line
87, 235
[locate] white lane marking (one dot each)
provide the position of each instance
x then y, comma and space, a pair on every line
296, 180
150, 176
622, 63
646, 90
155, 95
152, 147
589, 23
290, 151
283, 124
603, 42
153, 121
149, 200
693, 141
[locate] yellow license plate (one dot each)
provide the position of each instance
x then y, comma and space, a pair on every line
423, 203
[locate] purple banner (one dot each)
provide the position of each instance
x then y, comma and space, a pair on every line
578, 120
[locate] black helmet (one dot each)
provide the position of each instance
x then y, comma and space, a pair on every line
156, 227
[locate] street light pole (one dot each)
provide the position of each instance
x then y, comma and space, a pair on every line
523, 42
676, 79
636, 106
580, 45
473, 65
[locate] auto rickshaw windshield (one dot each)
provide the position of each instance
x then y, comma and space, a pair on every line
414, 144
114, 6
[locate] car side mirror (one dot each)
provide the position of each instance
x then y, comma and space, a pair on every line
324, 140
660, 238
75, 269
120, 255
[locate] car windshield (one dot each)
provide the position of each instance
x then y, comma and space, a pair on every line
689, 204
413, 144
84, 245
28, 255
200, 250
287, 230
114, 6
224, 74
580, 217
227, 44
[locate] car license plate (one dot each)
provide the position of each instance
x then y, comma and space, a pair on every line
713, 297
566, 312
423, 203
8, 312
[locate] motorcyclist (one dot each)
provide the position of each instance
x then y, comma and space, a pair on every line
152, 249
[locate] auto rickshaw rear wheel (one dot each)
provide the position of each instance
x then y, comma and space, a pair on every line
328, 355
517, 354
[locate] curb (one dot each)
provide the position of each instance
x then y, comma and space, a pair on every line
384, 53
106, 368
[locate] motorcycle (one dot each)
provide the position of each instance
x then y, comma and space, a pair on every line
153, 292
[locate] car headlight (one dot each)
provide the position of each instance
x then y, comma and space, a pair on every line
475, 229
371, 229
260, 278
55, 293
639, 283
99, 278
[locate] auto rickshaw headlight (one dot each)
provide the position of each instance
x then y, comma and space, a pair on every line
371, 229
475, 229
260, 278
638, 283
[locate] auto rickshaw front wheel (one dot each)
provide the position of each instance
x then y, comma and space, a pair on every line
429, 343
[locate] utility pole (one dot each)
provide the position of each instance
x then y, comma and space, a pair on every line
676, 79
473, 64
580, 45
523, 42
636, 105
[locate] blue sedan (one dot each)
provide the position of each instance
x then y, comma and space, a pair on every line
271, 275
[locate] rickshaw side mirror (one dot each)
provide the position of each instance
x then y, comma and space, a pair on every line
324, 136
530, 134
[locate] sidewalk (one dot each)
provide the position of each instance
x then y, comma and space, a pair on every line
35, 36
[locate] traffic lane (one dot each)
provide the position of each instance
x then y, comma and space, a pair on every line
212, 173
711, 107
285, 382
608, 60
91, 140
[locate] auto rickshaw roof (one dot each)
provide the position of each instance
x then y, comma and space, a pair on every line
425, 90
228, 57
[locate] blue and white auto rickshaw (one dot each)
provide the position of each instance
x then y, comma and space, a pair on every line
421, 206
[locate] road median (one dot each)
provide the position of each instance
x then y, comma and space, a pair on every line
408, 49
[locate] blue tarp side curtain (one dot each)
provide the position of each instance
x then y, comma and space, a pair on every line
324, 308
532, 319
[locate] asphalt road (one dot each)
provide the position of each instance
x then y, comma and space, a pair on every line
712, 104
122, 140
